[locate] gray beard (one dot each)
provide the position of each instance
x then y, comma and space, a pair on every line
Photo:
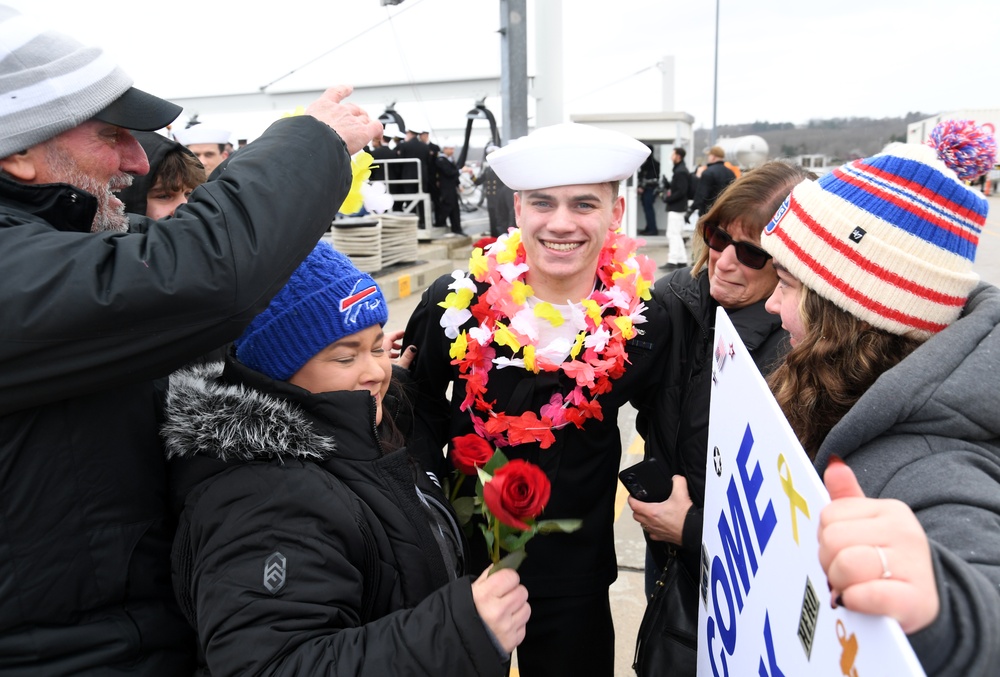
110, 217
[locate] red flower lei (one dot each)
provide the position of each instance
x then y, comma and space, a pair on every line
504, 318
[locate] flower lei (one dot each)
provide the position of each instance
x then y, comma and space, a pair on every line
374, 197
604, 321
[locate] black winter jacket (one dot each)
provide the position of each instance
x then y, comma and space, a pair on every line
712, 181
675, 427
680, 181
302, 548
582, 464
86, 322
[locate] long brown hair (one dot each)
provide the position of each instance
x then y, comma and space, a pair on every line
750, 201
828, 371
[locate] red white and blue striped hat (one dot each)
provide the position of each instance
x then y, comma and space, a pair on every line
891, 239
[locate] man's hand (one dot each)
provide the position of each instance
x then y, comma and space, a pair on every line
687, 216
348, 120
875, 554
502, 603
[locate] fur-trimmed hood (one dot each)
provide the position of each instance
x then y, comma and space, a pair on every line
230, 422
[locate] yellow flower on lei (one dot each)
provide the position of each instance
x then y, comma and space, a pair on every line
578, 346
529, 358
459, 299
361, 170
547, 311
459, 347
503, 336
593, 310
624, 325
520, 292
478, 263
509, 253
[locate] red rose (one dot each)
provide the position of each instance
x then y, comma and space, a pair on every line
470, 451
518, 491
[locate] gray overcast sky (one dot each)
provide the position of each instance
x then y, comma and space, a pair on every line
779, 60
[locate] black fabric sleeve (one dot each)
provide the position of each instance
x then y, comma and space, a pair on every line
432, 374
313, 623
83, 312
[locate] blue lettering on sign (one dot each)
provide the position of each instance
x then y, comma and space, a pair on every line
764, 527
737, 545
733, 545
772, 662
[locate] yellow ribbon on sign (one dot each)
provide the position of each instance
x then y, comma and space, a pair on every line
795, 499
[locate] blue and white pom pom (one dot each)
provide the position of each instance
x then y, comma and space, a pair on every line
968, 149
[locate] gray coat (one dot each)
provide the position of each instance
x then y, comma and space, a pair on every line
928, 433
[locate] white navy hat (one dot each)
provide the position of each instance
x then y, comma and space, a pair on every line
202, 134
567, 154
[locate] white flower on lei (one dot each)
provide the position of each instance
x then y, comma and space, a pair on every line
453, 319
461, 281
376, 196
577, 317
525, 323
511, 271
619, 299
482, 334
502, 362
636, 315
555, 352
598, 340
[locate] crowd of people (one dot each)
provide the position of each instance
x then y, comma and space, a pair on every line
212, 459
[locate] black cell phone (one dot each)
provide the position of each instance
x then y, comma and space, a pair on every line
647, 481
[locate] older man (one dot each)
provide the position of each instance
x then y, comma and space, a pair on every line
92, 311
554, 340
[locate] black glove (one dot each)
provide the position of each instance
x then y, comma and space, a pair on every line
687, 216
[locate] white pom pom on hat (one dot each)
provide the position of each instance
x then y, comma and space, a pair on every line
567, 154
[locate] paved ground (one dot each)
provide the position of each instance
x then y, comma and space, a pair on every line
627, 598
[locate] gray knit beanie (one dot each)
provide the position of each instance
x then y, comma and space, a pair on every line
50, 83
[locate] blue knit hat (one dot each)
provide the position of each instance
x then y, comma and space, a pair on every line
325, 299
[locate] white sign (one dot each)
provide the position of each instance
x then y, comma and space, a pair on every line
765, 602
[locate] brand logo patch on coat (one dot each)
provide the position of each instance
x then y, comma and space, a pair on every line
274, 572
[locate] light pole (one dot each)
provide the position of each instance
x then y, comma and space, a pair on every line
715, 76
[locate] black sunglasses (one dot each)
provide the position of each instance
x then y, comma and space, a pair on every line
750, 255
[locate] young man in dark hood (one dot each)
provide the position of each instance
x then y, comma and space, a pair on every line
174, 172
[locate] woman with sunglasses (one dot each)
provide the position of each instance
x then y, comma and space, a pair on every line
892, 376
733, 272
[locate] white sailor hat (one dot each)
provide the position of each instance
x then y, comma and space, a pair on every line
201, 134
567, 154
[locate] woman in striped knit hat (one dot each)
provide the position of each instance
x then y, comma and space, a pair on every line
891, 388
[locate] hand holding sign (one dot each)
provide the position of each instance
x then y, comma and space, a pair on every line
875, 553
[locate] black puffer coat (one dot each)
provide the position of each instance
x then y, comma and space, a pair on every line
87, 320
301, 548
675, 427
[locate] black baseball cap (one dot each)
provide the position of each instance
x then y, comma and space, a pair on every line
139, 110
